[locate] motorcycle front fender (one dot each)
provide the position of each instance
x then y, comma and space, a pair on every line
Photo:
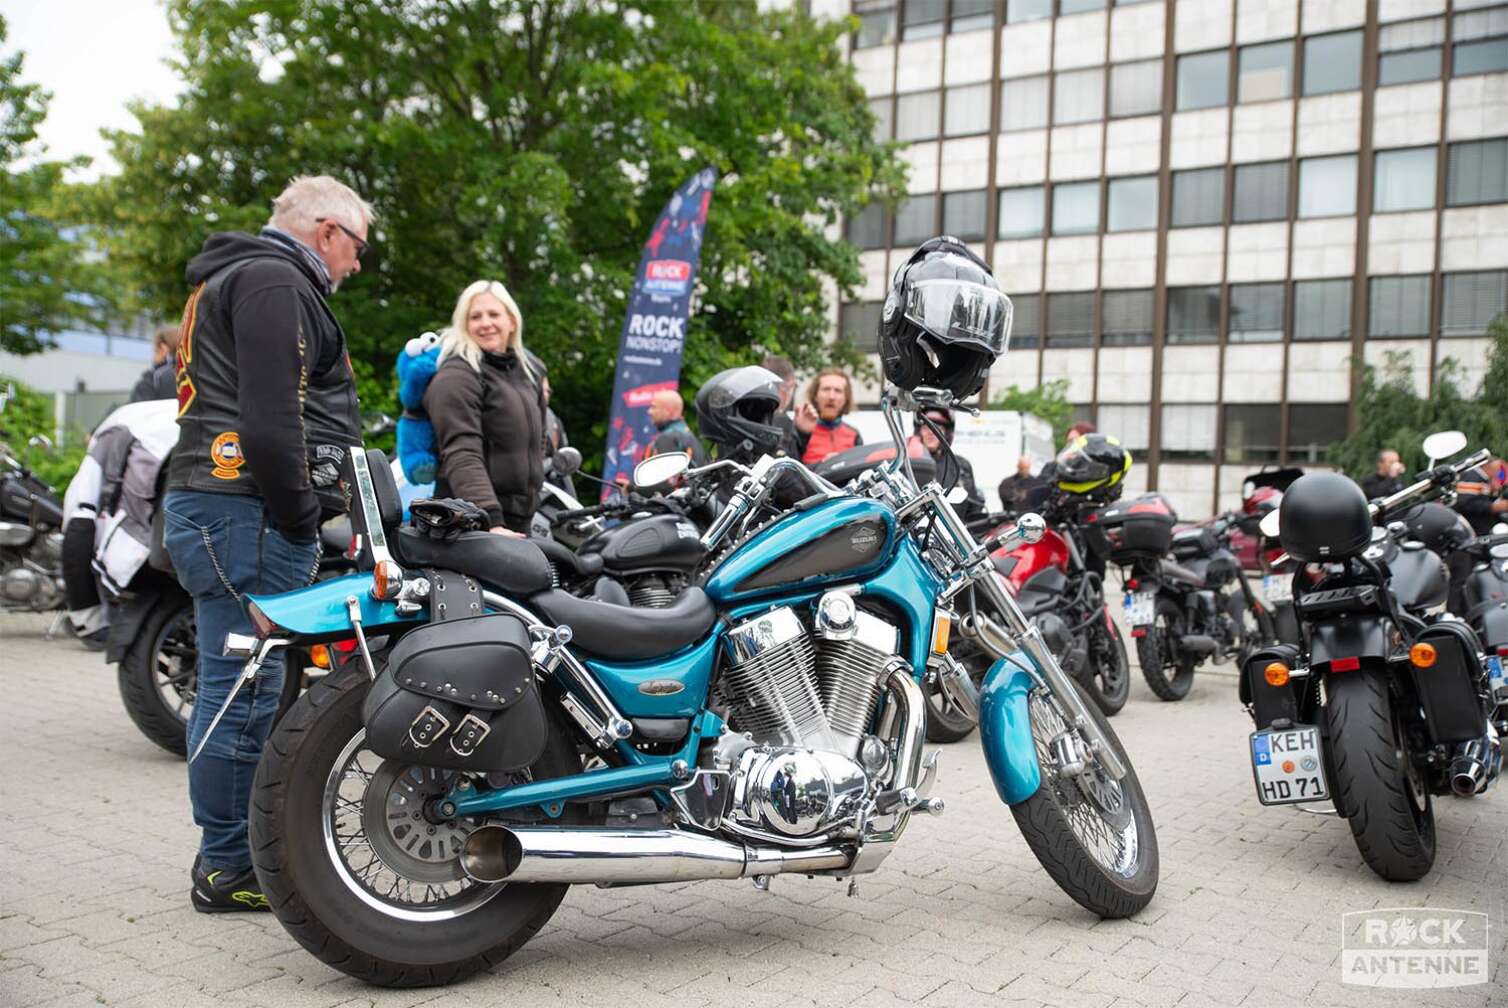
1005, 728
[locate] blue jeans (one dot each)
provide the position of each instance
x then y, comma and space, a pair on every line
223, 548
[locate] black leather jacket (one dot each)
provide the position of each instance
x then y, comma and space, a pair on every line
266, 397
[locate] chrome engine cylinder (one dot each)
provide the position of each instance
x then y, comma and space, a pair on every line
850, 670
772, 681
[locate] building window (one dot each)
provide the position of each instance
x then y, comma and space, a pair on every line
1203, 80
1136, 88
1398, 306
1080, 6
1128, 423
1410, 51
1133, 204
915, 221
971, 15
1188, 433
1256, 313
1076, 208
1261, 192
1022, 213
1481, 42
1470, 301
1193, 314
1017, 11
1332, 63
1070, 320
1404, 180
968, 110
1026, 321
1476, 172
866, 228
1078, 96
876, 23
963, 215
921, 19
1327, 186
917, 116
1322, 310
1266, 72
1127, 318
1198, 197
883, 110
859, 324
1313, 428
1251, 433
1023, 104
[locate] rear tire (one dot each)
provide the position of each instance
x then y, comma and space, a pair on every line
1391, 815
441, 939
1169, 676
1115, 880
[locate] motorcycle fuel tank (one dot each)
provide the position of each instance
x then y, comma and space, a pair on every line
658, 543
1030, 558
1419, 579
830, 541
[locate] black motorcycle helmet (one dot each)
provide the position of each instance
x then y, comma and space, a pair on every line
1324, 517
945, 320
736, 410
1093, 464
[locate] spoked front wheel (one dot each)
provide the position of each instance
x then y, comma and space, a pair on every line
1092, 834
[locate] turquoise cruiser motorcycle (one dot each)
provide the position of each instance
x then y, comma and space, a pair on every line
419, 814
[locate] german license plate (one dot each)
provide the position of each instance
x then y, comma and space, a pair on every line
1497, 678
1287, 766
1140, 607
1277, 588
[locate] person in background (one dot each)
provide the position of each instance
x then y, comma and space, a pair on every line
792, 442
829, 398
667, 413
1387, 479
1479, 496
972, 506
488, 410
266, 408
160, 381
1023, 491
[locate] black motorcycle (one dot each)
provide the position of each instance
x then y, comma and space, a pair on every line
1186, 598
1485, 598
31, 539
1384, 705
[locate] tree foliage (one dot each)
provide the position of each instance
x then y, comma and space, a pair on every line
46, 279
1049, 401
26, 413
530, 141
1392, 414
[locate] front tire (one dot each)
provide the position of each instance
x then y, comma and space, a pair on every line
1109, 671
305, 839
1386, 802
945, 722
1093, 835
1168, 674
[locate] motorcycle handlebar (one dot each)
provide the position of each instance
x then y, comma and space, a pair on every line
1440, 477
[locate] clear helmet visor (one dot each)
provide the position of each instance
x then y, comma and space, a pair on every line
959, 311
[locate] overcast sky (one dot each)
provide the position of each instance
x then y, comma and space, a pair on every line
94, 56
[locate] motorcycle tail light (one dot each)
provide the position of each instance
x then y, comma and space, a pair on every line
259, 620
1132, 584
1276, 674
1422, 655
1345, 664
1503, 650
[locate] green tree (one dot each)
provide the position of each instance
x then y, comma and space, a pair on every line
1392, 414
46, 279
25, 414
531, 142
1048, 401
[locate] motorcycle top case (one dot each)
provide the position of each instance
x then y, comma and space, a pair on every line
1140, 528
1199, 541
459, 694
1450, 689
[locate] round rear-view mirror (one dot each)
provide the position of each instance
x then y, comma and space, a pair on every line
567, 461
659, 469
1271, 523
1443, 444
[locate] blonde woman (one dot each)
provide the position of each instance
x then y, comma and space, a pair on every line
488, 410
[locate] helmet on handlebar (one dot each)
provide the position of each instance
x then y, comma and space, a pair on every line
1093, 464
945, 320
736, 411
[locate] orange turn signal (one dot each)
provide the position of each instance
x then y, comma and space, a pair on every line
1276, 674
942, 629
387, 580
1422, 655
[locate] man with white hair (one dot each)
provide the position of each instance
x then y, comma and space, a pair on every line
266, 408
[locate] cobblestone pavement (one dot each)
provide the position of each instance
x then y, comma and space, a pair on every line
95, 844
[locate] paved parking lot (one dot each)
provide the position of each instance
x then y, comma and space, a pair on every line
95, 843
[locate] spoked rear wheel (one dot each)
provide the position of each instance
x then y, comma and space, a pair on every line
1093, 834
355, 876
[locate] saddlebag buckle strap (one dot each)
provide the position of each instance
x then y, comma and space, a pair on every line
468, 735
427, 727
453, 596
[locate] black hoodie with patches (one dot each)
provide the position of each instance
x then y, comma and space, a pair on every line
266, 397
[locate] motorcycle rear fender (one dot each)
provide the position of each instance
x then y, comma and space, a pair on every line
1359, 636
1005, 728
318, 612
1270, 703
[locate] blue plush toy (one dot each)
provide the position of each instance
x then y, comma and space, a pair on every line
416, 436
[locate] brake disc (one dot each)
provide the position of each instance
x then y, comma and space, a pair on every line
392, 816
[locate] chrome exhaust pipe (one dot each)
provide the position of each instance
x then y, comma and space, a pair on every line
575, 854
1476, 765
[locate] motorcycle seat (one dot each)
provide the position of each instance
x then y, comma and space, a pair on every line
1190, 572
335, 535
624, 633
513, 566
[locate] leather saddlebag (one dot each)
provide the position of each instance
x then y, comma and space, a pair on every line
459, 694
